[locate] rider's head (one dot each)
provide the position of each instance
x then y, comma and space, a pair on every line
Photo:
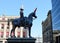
21, 9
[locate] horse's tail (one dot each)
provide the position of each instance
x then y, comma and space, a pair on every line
10, 20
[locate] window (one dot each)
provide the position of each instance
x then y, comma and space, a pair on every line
18, 34
7, 27
6, 42
1, 34
2, 26
12, 33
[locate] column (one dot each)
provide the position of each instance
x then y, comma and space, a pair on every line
21, 32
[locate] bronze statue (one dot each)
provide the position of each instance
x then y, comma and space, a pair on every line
23, 21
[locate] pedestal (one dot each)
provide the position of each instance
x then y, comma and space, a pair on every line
21, 40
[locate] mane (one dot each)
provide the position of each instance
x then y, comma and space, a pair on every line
30, 15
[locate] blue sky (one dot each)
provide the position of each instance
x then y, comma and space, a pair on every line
12, 8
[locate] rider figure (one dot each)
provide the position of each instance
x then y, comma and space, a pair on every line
21, 17
21, 13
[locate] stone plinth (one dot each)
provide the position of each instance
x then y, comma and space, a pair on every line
21, 40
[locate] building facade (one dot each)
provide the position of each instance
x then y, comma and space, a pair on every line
58, 38
47, 29
56, 14
56, 34
5, 30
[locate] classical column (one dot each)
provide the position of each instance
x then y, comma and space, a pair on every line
21, 32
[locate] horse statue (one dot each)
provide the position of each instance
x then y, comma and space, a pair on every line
24, 21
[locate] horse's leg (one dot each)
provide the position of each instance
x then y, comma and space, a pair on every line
29, 31
13, 32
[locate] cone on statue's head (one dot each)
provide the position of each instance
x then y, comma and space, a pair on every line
21, 8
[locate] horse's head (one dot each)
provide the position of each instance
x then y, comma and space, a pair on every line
34, 13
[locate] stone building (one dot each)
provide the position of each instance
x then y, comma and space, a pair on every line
5, 29
47, 29
56, 34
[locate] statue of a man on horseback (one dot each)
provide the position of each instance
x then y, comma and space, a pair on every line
23, 21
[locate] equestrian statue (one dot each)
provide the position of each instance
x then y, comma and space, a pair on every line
23, 21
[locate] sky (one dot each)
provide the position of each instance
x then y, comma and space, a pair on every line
12, 8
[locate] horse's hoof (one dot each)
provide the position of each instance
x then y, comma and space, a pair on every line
30, 37
13, 36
